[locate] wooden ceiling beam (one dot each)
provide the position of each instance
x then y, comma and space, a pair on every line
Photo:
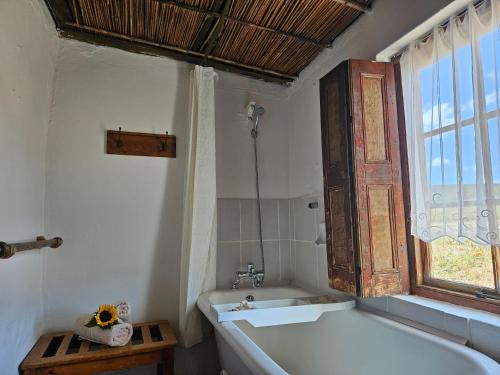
136, 45
207, 25
60, 11
216, 15
215, 33
76, 12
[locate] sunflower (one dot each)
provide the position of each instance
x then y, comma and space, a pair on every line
105, 317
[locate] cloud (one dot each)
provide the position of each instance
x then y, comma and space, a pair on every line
491, 98
436, 162
431, 116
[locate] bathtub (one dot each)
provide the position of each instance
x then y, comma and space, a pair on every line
351, 342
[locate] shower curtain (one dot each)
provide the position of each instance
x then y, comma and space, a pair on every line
199, 238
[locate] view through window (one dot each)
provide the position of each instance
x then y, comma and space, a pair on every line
465, 262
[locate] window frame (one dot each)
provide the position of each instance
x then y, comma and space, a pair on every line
421, 284
449, 291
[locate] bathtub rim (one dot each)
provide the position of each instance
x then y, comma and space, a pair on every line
260, 362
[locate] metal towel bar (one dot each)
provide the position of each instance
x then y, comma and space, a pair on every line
8, 250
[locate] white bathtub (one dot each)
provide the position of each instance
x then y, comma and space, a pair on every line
351, 342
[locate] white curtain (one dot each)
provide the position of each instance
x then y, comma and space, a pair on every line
199, 238
451, 93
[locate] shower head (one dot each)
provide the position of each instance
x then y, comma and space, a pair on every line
254, 111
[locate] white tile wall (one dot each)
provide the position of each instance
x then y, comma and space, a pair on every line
309, 262
238, 239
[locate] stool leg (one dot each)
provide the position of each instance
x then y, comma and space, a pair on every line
167, 366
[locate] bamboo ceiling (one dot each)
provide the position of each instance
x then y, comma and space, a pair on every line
269, 39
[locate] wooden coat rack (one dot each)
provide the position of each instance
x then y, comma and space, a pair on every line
140, 144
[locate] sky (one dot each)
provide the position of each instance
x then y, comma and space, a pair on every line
439, 108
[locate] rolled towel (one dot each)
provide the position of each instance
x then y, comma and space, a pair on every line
124, 313
118, 335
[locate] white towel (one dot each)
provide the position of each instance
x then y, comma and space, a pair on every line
124, 312
117, 335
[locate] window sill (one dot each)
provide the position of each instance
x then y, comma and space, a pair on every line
480, 328
451, 309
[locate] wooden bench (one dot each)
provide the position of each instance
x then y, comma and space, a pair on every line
64, 354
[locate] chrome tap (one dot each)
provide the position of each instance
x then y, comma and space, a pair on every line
257, 277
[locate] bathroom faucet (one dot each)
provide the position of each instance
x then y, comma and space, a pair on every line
257, 277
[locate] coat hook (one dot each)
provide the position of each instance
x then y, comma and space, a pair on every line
119, 142
163, 143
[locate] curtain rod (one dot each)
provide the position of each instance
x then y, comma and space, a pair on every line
427, 35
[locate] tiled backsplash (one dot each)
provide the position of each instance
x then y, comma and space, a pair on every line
309, 269
309, 263
238, 239
289, 231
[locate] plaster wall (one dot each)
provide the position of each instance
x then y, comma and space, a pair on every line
28, 42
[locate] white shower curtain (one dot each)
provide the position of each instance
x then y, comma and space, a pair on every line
451, 84
199, 238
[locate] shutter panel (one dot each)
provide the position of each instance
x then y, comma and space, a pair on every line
364, 207
378, 181
336, 143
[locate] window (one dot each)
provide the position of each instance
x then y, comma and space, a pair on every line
451, 91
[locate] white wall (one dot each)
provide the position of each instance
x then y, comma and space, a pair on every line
235, 155
28, 43
120, 216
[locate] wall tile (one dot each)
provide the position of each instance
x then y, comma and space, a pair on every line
228, 262
270, 229
219, 219
284, 219
322, 267
425, 315
378, 303
320, 214
228, 218
456, 325
485, 338
285, 260
306, 267
249, 220
305, 226
293, 260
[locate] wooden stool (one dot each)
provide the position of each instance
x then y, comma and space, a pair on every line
65, 354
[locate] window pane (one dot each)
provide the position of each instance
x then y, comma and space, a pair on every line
463, 61
436, 82
468, 157
441, 159
494, 135
489, 70
429, 112
466, 263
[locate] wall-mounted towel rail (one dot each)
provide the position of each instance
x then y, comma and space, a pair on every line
8, 250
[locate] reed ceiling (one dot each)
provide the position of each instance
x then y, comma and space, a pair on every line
269, 39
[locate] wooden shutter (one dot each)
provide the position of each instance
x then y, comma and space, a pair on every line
337, 151
378, 181
364, 208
